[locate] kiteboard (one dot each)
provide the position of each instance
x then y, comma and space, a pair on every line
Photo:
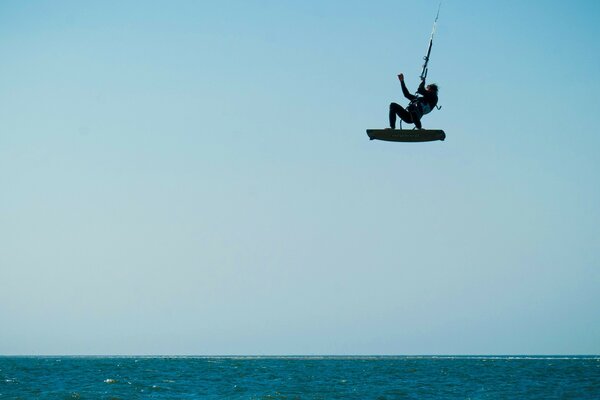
406, 135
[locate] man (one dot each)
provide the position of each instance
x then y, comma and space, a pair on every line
419, 105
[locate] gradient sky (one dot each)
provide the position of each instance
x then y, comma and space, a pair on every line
194, 177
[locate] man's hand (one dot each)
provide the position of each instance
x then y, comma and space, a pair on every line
401, 77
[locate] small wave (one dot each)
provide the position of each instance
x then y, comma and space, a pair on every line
217, 359
504, 358
110, 381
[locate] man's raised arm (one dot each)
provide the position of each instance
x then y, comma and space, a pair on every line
421, 89
405, 91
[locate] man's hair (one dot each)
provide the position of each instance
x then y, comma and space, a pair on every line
434, 87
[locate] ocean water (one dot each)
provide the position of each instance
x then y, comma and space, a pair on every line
300, 378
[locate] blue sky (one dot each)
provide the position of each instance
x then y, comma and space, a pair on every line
194, 177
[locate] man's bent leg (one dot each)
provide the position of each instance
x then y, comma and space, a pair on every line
418, 123
393, 115
397, 109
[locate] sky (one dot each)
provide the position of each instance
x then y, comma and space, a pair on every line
194, 178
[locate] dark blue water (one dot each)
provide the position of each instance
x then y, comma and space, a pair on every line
300, 378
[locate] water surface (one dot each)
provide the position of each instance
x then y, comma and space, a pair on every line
299, 377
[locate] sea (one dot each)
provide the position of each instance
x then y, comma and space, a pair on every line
380, 378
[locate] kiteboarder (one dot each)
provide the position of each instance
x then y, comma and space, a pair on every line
419, 105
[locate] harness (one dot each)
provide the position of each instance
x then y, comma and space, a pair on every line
418, 107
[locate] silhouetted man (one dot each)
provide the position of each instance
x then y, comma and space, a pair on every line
419, 105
